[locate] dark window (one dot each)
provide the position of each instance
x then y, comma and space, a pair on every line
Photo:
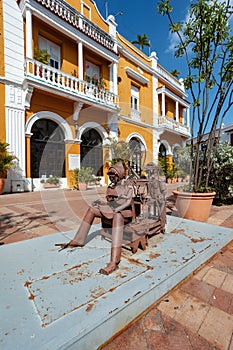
47, 149
136, 155
92, 151
162, 151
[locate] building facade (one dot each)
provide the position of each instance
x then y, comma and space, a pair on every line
69, 83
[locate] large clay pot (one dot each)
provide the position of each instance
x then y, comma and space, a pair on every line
194, 206
82, 186
2, 182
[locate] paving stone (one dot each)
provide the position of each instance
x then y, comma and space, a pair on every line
223, 263
153, 322
217, 328
132, 338
199, 343
201, 273
192, 313
174, 336
198, 289
214, 277
221, 299
173, 302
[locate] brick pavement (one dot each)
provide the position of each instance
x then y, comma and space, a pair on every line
197, 314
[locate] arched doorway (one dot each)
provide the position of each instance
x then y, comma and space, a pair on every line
47, 149
92, 151
162, 151
136, 155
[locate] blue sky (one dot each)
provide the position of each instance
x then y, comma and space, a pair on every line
141, 17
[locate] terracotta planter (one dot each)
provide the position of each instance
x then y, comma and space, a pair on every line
82, 186
194, 206
47, 185
2, 182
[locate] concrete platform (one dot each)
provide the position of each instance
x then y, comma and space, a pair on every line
53, 299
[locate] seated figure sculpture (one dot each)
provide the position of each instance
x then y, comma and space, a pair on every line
117, 208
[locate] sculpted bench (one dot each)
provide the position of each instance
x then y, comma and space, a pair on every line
149, 210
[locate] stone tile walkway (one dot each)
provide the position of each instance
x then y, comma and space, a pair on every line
197, 314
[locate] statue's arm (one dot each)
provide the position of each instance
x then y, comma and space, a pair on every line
128, 200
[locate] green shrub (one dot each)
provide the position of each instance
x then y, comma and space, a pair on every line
84, 174
221, 176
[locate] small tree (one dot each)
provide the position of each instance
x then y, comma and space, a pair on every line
206, 44
119, 151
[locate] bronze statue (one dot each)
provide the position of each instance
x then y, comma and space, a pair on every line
134, 206
117, 208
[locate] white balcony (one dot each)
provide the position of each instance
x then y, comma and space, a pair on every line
43, 74
169, 78
135, 114
77, 20
172, 125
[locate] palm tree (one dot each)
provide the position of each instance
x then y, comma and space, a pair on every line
142, 40
175, 73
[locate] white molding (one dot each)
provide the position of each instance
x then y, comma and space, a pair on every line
13, 41
167, 146
138, 77
93, 125
139, 137
52, 116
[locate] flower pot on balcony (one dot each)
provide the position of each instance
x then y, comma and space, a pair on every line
194, 206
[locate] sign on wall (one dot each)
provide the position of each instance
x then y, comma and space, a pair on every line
73, 161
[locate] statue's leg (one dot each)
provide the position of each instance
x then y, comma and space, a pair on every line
117, 235
80, 237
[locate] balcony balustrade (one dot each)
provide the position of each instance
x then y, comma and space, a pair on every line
135, 114
170, 124
54, 78
77, 20
168, 77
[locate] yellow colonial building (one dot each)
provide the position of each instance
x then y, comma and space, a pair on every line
69, 83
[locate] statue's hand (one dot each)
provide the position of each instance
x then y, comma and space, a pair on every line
96, 203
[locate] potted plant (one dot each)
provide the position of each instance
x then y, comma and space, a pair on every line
82, 176
7, 160
42, 55
51, 182
206, 46
168, 168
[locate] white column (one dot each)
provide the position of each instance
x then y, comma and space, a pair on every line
80, 60
177, 111
163, 104
29, 53
113, 78
188, 117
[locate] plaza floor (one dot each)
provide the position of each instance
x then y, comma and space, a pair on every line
178, 294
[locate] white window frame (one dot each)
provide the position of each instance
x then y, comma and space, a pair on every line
54, 51
92, 72
134, 97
